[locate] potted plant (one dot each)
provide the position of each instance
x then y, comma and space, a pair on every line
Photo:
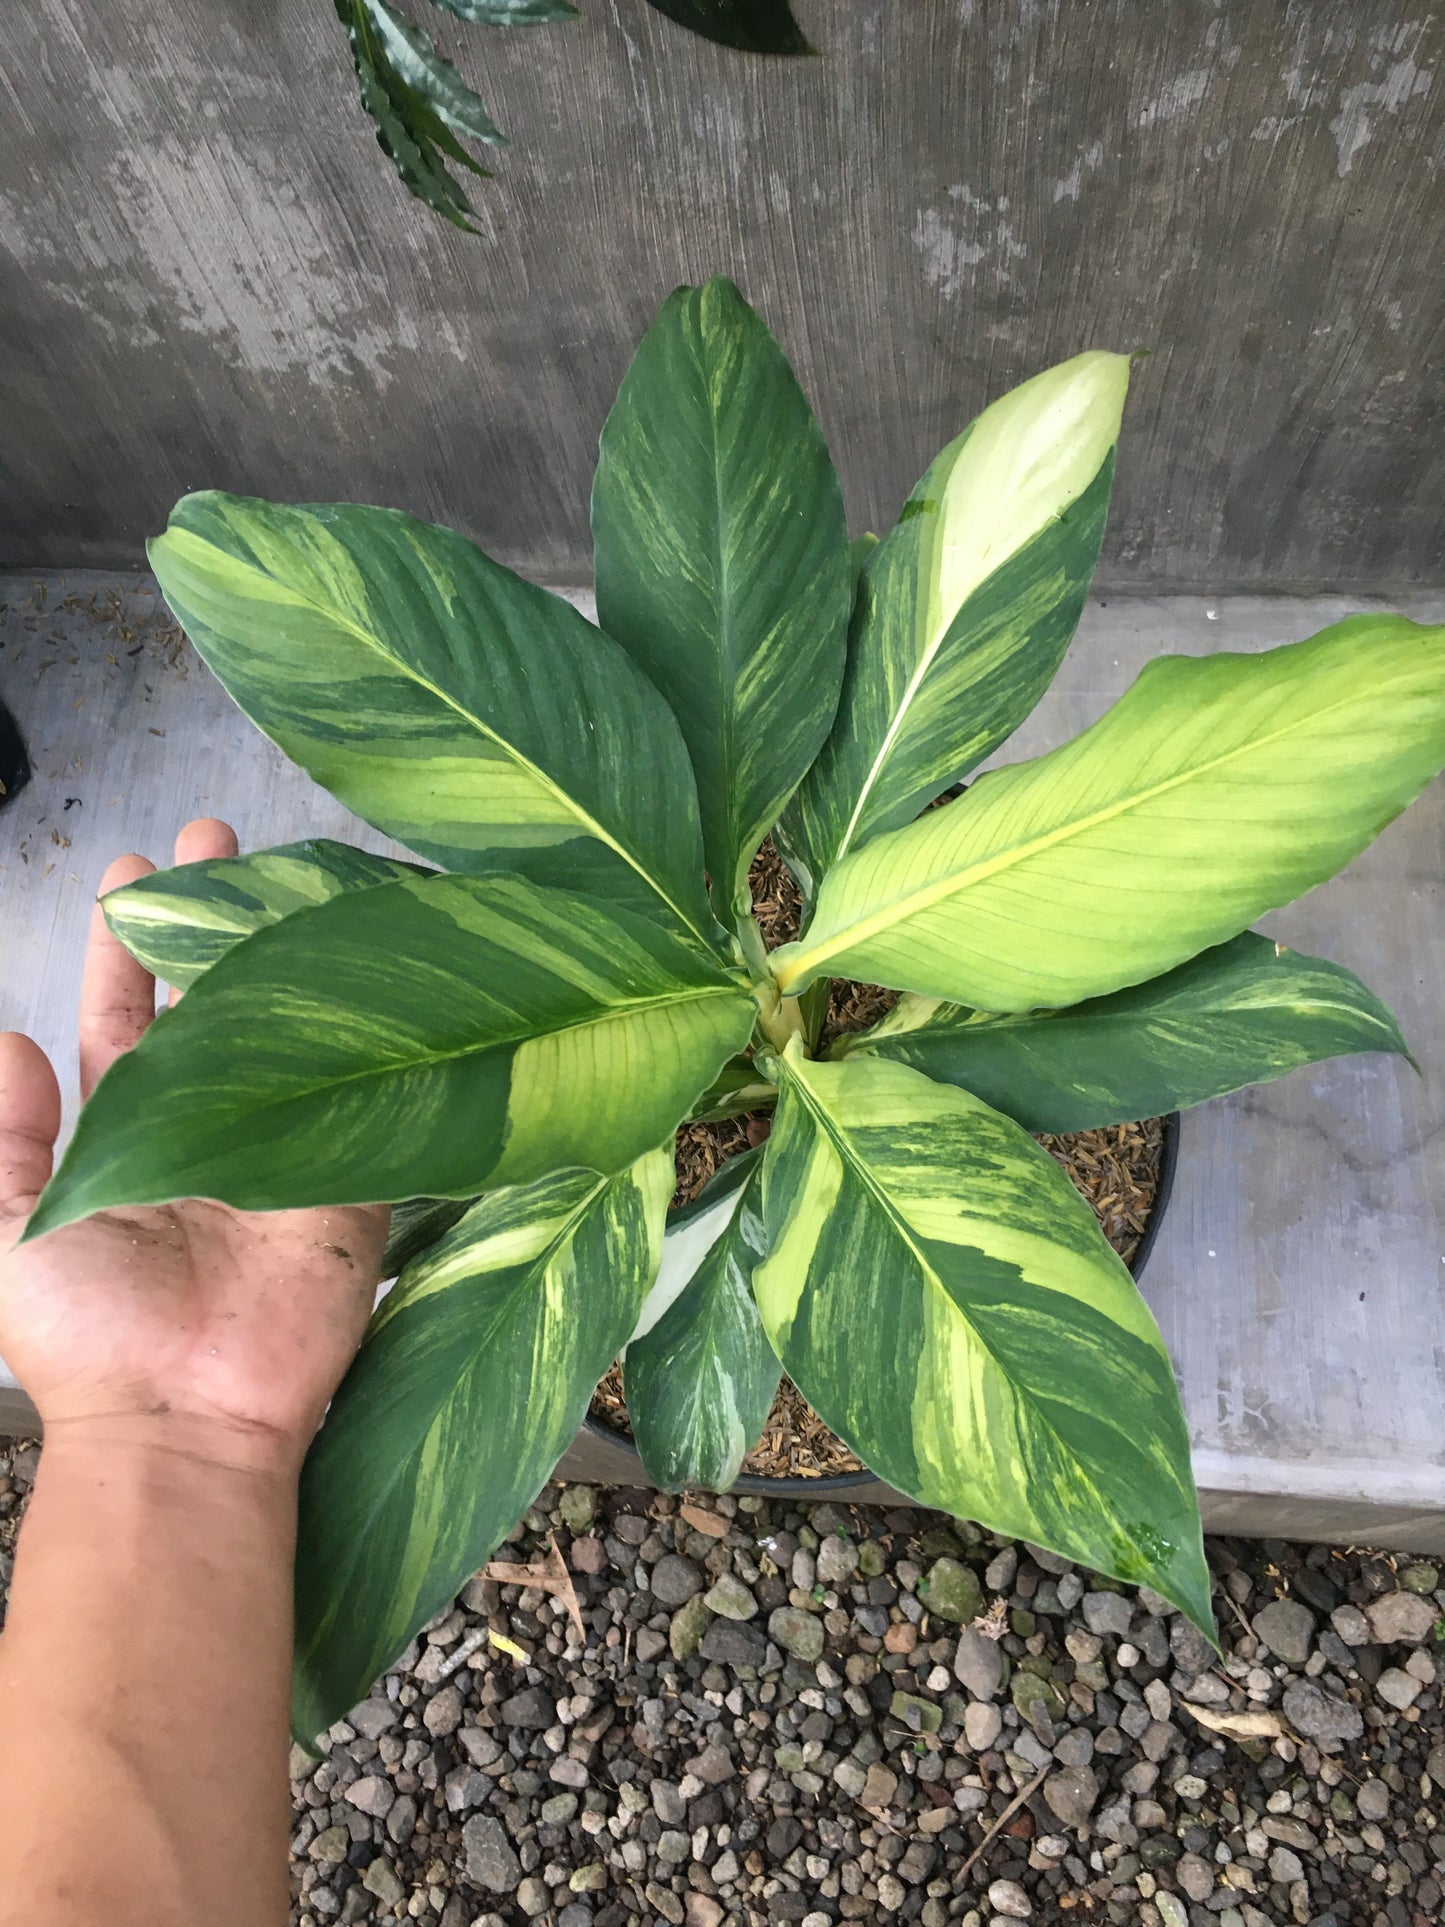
505, 1046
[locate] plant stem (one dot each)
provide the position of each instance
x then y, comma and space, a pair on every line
755, 951
778, 1017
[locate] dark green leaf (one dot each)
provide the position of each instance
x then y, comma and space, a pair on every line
737, 1089
471, 1384
412, 55
414, 123
722, 560
1239, 1014
752, 26
416, 1225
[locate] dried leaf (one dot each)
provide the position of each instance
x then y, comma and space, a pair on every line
551, 1576
993, 1624
1237, 1726
711, 1523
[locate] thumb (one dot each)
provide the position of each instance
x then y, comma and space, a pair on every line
29, 1125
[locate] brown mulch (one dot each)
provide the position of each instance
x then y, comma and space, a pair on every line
1116, 1169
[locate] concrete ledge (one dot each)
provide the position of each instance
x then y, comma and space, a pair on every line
1300, 1277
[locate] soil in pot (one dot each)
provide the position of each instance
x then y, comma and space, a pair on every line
1116, 1168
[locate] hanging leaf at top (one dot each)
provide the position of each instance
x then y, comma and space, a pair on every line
751, 26
510, 13
421, 106
423, 110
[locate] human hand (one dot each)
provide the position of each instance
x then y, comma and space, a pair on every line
220, 1333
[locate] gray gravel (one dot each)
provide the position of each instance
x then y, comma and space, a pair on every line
783, 1719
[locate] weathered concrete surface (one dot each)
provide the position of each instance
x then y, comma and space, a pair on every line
214, 279
1300, 1276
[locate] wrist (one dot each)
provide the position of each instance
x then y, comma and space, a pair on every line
198, 1443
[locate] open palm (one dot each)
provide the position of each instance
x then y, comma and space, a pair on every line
241, 1321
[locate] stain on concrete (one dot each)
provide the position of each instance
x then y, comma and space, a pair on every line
1088, 161
1180, 97
973, 233
1362, 105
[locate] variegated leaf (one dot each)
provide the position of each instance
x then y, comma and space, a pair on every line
416, 1225
1216, 788
179, 922
943, 1298
472, 1382
429, 1038
1241, 1014
966, 609
476, 718
722, 559
699, 1372
738, 1088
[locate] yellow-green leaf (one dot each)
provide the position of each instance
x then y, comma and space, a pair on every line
965, 611
1216, 788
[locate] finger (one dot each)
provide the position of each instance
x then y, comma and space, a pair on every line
205, 838
29, 1123
199, 842
117, 995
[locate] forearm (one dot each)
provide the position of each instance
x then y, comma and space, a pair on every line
147, 1656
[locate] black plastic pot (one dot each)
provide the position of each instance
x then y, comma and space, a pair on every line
14, 764
605, 1457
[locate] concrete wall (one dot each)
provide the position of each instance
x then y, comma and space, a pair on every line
214, 279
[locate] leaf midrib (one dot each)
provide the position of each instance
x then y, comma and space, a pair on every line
428, 1059
928, 895
895, 727
483, 728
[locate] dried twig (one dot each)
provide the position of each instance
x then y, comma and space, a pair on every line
998, 1826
